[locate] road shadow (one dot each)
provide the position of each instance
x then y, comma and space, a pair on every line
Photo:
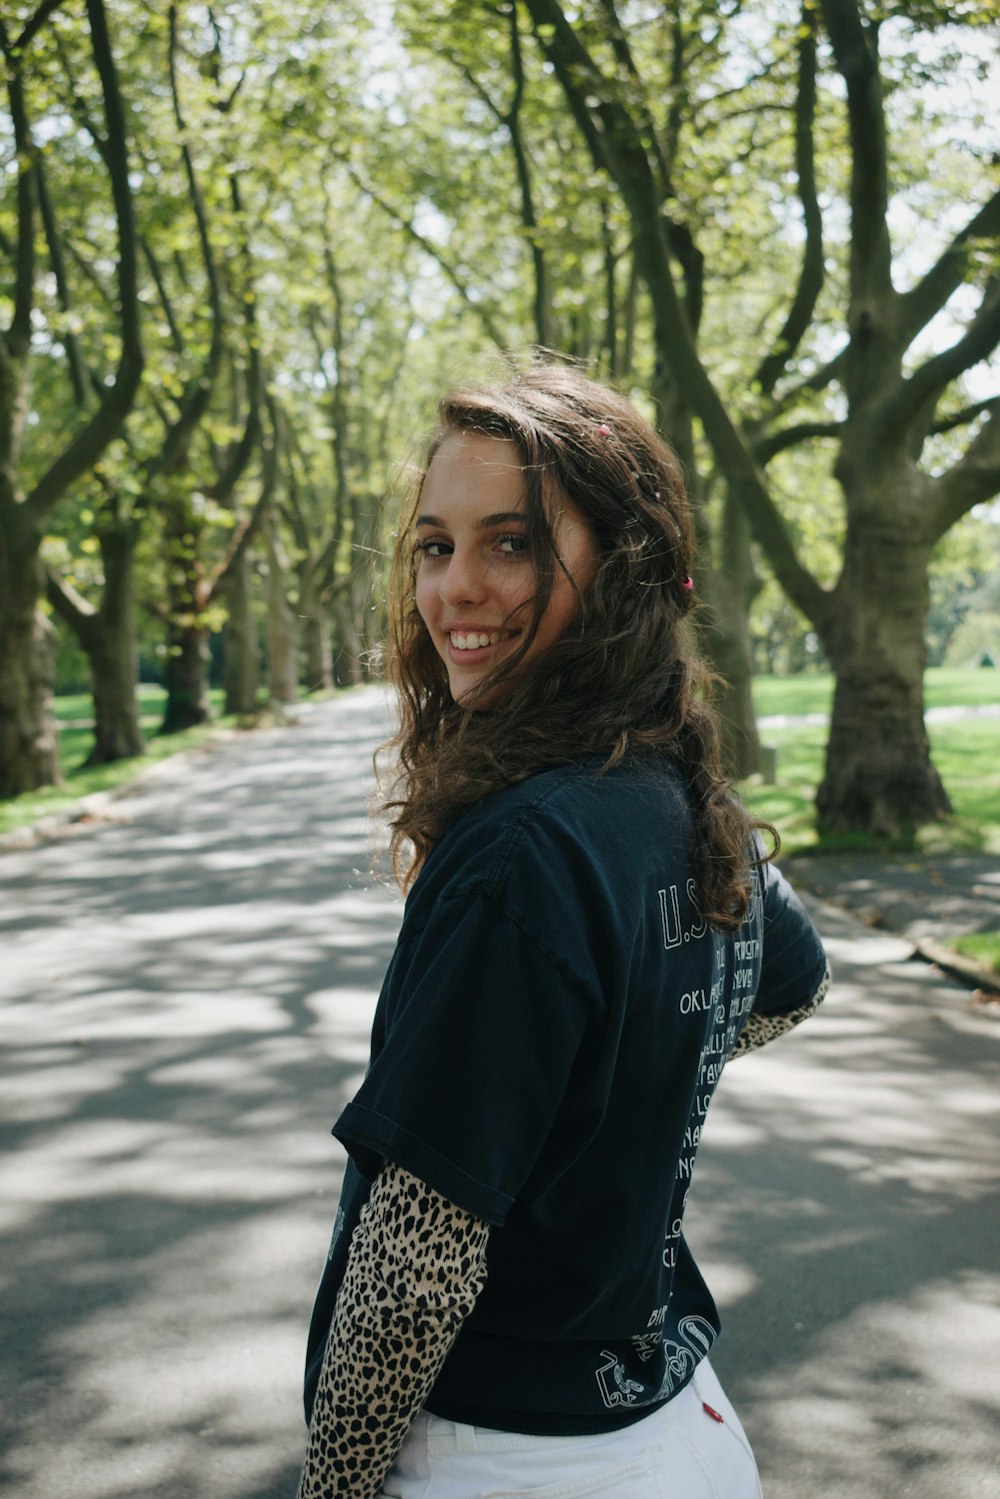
187, 1004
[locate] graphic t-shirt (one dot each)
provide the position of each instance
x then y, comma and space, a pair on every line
550, 1032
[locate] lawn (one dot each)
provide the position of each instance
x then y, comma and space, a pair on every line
944, 687
965, 753
984, 947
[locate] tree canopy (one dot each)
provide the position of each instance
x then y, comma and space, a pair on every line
245, 245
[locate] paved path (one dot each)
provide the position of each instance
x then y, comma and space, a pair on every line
186, 999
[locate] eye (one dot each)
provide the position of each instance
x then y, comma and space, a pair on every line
433, 546
513, 543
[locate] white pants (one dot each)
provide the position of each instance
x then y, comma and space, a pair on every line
680, 1452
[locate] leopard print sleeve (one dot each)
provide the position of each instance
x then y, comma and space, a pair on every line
416, 1265
760, 1029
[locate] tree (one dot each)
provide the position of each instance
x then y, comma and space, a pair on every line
879, 777
28, 756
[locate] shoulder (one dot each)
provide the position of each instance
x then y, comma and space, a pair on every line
562, 828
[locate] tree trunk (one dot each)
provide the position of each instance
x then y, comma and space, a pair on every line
28, 747
185, 677
347, 668
879, 776
730, 590
316, 638
110, 644
282, 634
241, 675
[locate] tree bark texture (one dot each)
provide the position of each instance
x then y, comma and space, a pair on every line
348, 669
315, 636
241, 677
185, 674
879, 775
731, 586
109, 639
282, 632
185, 677
28, 746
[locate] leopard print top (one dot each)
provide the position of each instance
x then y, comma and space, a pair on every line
758, 1030
417, 1263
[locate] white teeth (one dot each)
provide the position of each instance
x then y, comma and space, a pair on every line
474, 640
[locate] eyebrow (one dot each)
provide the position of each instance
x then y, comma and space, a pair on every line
485, 522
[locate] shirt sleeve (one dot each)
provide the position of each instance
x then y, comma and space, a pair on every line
793, 962
758, 1029
480, 1028
416, 1265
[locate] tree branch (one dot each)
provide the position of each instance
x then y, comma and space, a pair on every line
529, 218
855, 48
812, 271
106, 423
453, 275
77, 367
931, 293
623, 153
247, 531
18, 337
768, 447
71, 606
35, 24
963, 416
176, 336
198, 389
975, 478
924, 386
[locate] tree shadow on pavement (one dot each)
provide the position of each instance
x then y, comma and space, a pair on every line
188, 1003
845, 1211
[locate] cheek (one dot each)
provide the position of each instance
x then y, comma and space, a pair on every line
422, 596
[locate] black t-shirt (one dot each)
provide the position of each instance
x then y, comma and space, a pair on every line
548, 1038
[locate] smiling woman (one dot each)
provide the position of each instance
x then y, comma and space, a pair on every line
509, 1305
476, 578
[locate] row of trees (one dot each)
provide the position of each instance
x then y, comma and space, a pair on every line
245, 242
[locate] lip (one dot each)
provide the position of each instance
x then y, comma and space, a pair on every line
482, 652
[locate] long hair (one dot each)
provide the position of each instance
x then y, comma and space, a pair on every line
625, 676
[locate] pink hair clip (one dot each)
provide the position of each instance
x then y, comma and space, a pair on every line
604, 430
688, 583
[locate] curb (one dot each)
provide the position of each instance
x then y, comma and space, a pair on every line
92, 808
985, 980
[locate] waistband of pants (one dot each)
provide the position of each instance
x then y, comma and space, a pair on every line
443, 1436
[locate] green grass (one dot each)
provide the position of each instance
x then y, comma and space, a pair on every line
79, 706
984, 947
944, 687
78, 782
965, 754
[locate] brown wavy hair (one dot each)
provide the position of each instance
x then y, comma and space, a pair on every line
626, 676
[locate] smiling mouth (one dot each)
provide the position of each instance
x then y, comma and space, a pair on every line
477, 640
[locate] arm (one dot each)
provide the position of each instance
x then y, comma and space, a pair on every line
416, 1266
760, 1029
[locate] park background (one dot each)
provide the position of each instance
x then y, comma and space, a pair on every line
247, 245
244, 247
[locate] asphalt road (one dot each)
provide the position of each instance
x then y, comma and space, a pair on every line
186, 994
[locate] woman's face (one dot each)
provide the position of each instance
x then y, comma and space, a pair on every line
475, 577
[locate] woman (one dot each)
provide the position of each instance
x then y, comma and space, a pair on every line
591, 930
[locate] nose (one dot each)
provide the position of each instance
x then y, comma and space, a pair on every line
464, 581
